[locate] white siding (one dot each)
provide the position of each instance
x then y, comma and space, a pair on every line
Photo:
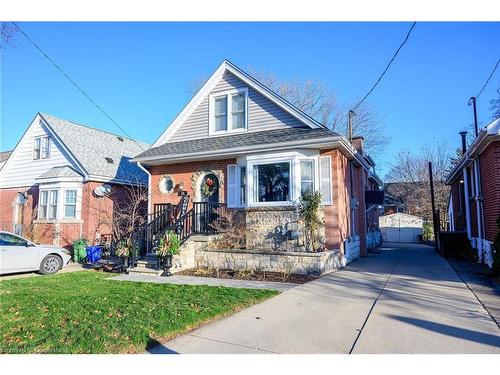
263, 114
21, 170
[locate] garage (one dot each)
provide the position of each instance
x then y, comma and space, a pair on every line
400, 227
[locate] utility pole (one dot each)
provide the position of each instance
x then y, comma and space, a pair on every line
434, 218
473, 101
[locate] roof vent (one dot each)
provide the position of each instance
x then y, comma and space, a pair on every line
119, 138
109, 160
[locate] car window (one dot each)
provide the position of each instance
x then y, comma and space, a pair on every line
10, 240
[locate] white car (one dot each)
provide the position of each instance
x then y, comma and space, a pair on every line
17, 254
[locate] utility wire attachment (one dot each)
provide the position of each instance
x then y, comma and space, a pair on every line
388, 65
488, 80
75, 84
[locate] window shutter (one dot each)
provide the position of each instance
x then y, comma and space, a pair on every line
232, 186
325, 183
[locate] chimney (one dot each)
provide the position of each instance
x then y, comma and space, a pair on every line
463, 134
357, 143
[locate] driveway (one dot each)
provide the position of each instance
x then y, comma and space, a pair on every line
396, 300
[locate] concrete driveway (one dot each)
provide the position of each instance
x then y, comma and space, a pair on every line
396, 300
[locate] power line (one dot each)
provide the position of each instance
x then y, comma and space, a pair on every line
488, 80
387, 67
75, 84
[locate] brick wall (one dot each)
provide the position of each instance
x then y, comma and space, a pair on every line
490, 180
183, 173
96, 215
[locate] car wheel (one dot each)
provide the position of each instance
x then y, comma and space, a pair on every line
50, 264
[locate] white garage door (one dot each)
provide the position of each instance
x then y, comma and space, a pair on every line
398, 228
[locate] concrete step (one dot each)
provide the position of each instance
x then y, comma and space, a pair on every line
146, 271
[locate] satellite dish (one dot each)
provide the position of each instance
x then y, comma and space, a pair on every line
102, 190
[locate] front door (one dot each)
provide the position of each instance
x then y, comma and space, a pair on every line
210, 189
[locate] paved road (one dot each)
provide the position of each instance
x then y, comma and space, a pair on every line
398, 300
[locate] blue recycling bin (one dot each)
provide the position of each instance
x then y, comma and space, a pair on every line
93, 253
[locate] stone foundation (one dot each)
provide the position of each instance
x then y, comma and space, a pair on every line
301, 263
271, 228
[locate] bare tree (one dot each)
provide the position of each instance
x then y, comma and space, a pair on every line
315, 99
118, 214
7, 34
495, 106
410, 170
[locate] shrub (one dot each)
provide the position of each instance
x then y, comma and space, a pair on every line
230, 228
309, 214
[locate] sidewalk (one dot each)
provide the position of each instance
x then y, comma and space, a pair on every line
477, 278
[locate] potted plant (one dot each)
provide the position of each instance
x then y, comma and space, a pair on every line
123, 250
168, 246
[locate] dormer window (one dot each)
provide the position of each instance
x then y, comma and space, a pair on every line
228, 111
41, 148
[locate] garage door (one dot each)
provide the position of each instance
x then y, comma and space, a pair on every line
400, 229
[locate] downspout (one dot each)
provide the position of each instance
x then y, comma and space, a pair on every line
149, 188
467, 208
478, 206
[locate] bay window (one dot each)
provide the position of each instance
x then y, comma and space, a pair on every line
42, 204
272, 182
52, 204
70, 204
228, 111
306, 176
278, 179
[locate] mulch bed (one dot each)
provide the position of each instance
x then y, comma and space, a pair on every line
247, 275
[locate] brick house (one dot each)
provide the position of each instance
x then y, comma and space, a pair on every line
474, 202
239, 143
63, 180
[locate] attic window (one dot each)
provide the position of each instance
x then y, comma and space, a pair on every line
228, 111
109, 160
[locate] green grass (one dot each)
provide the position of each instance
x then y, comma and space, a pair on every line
82, 312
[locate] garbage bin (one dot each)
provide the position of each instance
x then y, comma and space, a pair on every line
93, 253
79, 250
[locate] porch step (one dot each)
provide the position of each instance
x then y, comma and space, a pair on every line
147, 271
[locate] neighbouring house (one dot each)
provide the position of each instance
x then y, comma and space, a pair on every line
64, 181
474, 202
396, 197
3, 157
239, 144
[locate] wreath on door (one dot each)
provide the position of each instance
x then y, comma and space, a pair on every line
208, 187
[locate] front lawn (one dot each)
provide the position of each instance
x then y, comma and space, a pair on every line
82, 312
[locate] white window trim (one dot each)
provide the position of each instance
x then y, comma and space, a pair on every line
65, 191
61, 188
330, 201
314, 172
253, 200
40, 150
211, 112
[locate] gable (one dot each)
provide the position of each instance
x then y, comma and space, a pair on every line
21, 170
263, 114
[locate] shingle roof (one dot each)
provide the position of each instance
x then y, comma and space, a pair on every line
62, 171
5, 155
100, 153
238, 140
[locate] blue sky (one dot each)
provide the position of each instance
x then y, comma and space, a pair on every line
140, 73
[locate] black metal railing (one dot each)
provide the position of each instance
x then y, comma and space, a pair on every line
197, 220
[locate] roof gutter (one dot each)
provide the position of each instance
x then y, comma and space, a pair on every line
149, 186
